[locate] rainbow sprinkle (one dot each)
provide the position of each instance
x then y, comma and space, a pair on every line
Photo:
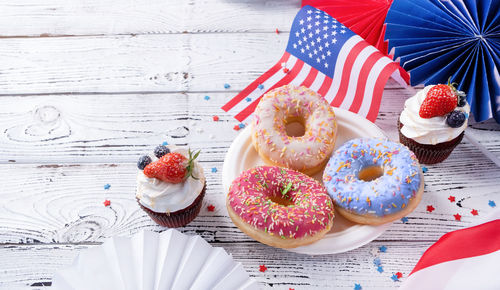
304, 209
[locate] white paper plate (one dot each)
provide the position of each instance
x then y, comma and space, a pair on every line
345, 235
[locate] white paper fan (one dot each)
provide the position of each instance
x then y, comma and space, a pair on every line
148, 260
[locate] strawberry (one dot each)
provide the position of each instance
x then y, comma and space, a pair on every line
172, 167
440, 100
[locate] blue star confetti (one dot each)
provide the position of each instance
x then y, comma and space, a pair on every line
261, 86
107, 186
357, 286
424, 169
248, 99
404, 220
377, 261
227, 86
380, 269
491, 203
241, 125
207, 98
165, 143
394, 277
382, 249
214, 169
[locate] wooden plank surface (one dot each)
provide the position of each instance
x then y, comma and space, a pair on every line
118, 128
99, 17
88, 86
63, 203
142, 63
34, 265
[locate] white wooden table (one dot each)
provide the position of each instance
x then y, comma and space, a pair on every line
87, 86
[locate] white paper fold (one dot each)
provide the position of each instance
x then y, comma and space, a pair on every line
148, 260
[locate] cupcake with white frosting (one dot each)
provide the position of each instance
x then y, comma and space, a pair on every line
433, 122
170, 185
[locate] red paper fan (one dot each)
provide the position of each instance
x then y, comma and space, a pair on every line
364, 17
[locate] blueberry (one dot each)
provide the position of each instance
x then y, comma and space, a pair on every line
455, 119
161, 150
143, 162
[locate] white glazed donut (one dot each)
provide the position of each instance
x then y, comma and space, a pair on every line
307, 153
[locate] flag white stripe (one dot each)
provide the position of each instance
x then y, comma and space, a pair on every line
271, 81
339, 66
480, 272
318, 81
370, 84
353, 78
396, 75
302, 74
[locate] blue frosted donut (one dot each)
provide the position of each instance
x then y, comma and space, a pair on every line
389, 197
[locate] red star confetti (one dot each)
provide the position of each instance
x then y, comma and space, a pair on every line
262, 268
286, 70
451, 198
430, 208
474, 212
457, 217
216, 118
399, 275
107, 203
277, 31
291, 289
236, 128
211, 208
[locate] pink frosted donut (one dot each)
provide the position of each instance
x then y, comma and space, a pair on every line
280, 207
307, 153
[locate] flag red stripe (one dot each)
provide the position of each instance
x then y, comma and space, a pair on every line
346, 73
327, 83
405, 75
285, 80
310, 77
250, 88
362, 79
470, 242
378, 90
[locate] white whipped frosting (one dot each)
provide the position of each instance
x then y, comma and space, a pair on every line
428, 131
165, 197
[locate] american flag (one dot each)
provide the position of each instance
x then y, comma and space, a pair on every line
327, 57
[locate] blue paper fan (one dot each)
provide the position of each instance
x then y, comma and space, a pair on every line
436, 39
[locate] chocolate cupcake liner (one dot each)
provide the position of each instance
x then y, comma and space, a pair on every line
178, 218
427, 153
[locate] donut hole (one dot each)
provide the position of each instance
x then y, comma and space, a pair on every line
294, 127
281, 200
370, 173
